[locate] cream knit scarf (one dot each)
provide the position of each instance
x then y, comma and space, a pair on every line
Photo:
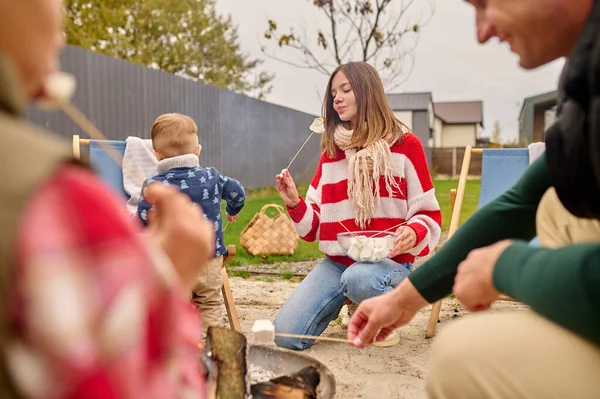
365, 167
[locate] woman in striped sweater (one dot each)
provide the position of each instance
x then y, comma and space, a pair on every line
372, 175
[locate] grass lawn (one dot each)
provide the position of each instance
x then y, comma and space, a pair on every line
258, 198
442, 192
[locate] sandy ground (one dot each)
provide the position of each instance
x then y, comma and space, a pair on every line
393, 372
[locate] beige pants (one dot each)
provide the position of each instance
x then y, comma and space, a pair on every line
519, 354
206, 295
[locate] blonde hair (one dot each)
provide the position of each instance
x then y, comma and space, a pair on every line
174, 135
375, 119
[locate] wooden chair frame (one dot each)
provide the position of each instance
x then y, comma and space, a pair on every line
456, 200
232, 314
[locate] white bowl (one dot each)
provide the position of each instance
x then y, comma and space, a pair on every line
367, 246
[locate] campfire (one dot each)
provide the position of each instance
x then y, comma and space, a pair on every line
237, 370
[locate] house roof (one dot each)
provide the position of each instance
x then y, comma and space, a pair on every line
460, 112
409, 101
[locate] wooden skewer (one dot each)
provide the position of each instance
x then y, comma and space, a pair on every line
342, 340
390, 228
345, 228
376, 234
305, 141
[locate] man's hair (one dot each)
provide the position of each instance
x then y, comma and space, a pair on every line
174, 135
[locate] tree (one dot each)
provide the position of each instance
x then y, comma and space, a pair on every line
381, 32
496, 133
184, 37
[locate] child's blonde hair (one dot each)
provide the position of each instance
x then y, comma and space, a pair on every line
174, 135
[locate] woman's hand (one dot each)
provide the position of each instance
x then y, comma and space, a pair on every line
406, 238
287, 189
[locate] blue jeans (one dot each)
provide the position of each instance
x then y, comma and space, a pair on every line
319, 298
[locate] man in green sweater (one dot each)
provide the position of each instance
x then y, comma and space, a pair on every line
552, 350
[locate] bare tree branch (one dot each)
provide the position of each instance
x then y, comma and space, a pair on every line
384, 33
374, 27
334, 32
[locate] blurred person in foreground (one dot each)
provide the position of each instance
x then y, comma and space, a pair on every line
552, 350
90, 308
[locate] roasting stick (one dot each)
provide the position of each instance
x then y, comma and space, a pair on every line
264, 330
295, 156
342, 340
376, 234
317, 127
390, 228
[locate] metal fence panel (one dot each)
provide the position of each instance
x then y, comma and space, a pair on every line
245, 138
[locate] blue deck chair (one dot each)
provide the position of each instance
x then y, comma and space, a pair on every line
500, 170
102, 163
110, 171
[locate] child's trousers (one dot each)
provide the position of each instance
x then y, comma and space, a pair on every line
206, 295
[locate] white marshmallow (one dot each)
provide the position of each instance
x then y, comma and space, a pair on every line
263, 330
381, 253
356, 242
354, 252
59, 88
366, 253
318, 126
370, 249
389, 240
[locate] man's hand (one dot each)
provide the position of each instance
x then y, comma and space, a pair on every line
406, 238
231, 219
473, 285
386, 313
178, 226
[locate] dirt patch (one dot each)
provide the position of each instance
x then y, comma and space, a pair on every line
394, 372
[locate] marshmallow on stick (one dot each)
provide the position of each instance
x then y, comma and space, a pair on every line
58, 89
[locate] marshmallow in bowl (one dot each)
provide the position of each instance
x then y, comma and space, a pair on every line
370, 249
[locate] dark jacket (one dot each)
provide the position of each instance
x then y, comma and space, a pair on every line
573, 142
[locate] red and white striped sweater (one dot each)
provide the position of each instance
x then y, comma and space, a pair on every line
326, 204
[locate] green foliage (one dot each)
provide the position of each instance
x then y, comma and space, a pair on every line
183, 37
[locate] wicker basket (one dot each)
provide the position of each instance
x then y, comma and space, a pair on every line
270, 236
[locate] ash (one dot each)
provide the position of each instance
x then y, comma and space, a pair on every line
257, 374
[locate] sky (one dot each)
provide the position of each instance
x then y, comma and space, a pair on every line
449, 61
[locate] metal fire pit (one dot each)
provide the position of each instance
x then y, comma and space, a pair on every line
282, 362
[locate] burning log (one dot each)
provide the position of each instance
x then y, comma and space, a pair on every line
302, 385
226, 350
227, 369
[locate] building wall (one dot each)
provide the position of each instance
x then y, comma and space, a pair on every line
459, 135
539, 125
437, 133
405, 117
421, 126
